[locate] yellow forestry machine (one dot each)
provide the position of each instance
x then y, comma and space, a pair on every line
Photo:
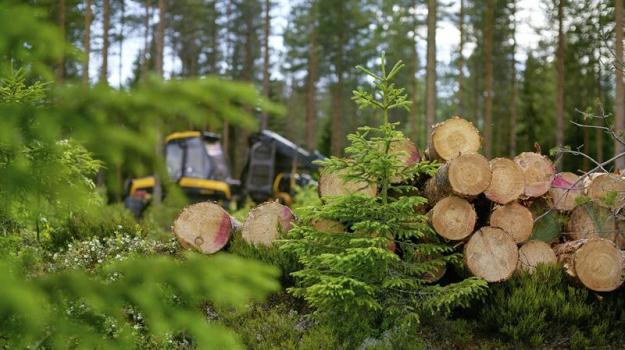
197, 163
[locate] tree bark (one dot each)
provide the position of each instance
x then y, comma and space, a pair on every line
86, 42
146, 40
160, 38
121, 41
106, 24
430, 78
413, 65
266, 30
560, 77
60, 69
311, 80
337, 102
488, 78
619, 101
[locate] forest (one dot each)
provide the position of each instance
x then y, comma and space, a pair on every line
312, 174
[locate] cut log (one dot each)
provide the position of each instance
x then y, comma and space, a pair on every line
548, 224
507, 182
491, 254
607, 190
332, 184
466, 176
565, 188
533, 253
590, 221
453, 218
453, 137
205, 227
596, 263
515, 219
538, 172
407, 153
327, 225
266, 222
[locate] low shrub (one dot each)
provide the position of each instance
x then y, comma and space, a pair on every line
547, 309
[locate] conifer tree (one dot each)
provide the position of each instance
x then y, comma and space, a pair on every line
376, 274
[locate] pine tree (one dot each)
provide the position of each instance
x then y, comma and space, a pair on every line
352, 279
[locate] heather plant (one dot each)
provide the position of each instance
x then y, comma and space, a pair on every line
353, 280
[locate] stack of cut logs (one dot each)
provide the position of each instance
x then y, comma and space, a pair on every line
510, 214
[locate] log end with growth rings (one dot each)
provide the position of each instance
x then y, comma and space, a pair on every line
453, 218
514, 219
534, 253
491, 254
538, 172
565, 188
453, 137
266, 222
607, 190
599, 265
205, 227
469, 174
332, 184
507, 183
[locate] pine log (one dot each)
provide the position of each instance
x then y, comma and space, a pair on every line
591, 221
205, 227
508, 182
533, 253
565, 189
453, 218
538, 172
266, 222
466, 176
407, 153
491, 254
453, 137
607, 190
595, 262
327, 225
332, 184
515, 220
547, 223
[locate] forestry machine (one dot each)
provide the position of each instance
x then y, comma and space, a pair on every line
196, 162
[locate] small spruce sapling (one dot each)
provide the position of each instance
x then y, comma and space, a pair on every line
354, 280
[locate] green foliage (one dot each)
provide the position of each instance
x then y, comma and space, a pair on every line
155, 297
352, 280
544, 309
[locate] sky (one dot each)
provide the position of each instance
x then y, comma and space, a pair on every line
530, 16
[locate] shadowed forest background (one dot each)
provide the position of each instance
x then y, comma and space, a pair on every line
570, 70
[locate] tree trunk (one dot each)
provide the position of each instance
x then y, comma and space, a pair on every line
596, 263
122, 28
515, 219
451, 138
453, 218
514, 96
461, 102
266, 223
413, 65
507, 183
266, 30
86, 42
430, 78
60, 69
205, 227
488, 78
146, 40
560, 78
311, 80
160, 38
106, 21
534, 253
491, 254
619, 101
466, 176
538, 172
